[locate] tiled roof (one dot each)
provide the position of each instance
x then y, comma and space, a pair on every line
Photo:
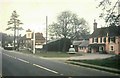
28, 30
110, 31
84, 43
77, 42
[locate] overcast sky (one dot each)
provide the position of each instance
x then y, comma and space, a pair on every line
33, 12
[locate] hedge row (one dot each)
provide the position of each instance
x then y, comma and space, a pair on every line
58, 45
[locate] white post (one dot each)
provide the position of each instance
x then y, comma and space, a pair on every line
33, 42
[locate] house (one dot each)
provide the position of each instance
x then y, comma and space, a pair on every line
27, 40
76, 43
83, 47
105, 39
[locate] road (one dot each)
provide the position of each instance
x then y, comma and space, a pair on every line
17, 64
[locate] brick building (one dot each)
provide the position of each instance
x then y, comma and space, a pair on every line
106, 39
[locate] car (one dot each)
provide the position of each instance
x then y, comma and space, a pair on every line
72, 51
8, 47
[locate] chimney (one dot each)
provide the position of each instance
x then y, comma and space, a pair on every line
95, 25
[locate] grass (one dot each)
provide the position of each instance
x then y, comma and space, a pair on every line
52, 54
113, 62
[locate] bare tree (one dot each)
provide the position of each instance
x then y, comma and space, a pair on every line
68, 25
109, 14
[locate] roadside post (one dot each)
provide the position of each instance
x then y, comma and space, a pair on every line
33, 42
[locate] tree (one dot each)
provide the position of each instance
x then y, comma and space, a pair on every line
6, 39
109, 14
14, 20
68, 25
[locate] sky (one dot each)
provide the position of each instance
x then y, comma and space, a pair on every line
32, 13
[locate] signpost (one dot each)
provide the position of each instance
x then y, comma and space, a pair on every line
33, 42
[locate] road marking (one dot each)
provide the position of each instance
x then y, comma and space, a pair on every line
33, 64
45, 68
23, 60
15, 58
9, 56
61, 74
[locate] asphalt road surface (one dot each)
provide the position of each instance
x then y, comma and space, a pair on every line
17, 64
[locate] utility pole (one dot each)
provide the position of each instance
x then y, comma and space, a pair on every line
46, 31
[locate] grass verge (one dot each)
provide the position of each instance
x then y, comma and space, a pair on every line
52, 54
112, 62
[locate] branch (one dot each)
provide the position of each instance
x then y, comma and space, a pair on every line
109, 15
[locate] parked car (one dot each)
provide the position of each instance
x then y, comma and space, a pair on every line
8, 47
72, 51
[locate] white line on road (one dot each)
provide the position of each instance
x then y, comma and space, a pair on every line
23, 60
9, 56
45, 68
61, 74
16, 58
33, 64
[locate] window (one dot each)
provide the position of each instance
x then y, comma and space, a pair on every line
112, 39
108, 39
92, 40
111, 48
101, 40
96, 40
81, 48
28, 35
104, 39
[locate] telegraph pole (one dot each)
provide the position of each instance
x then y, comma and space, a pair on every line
46, 31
